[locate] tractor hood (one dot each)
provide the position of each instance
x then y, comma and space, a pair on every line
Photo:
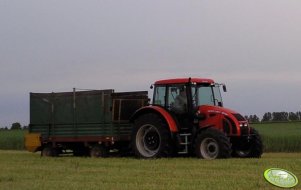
225, 119
210, 110
216, 110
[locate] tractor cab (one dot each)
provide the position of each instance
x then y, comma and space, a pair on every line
184, 96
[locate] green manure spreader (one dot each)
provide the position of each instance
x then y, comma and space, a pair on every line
85, 122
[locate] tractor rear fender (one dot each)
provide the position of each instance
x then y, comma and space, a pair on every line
160, 111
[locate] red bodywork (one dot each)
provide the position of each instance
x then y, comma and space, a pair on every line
224, 119
212, 116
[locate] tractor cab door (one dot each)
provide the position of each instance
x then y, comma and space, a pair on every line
175, 99
171, 97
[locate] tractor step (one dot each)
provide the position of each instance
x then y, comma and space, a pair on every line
185, 142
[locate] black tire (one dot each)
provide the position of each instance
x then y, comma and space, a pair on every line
252, 148
98, 151
80, 150
49, 152
211, 144
151, 137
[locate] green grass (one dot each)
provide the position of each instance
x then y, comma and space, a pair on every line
12, 139
23, 170
277, 137
280, 137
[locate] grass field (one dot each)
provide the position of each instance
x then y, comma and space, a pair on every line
280, 137
277, 137
22, 170
12, 139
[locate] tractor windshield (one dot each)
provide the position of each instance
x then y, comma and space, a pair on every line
203, 94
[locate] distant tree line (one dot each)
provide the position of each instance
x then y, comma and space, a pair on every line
15, 126
275, 117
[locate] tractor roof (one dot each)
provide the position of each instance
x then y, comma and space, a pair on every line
184, 80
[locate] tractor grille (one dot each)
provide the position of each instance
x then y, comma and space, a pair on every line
244, 130
227, 126
228, 122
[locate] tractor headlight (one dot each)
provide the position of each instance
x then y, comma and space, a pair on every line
243, 125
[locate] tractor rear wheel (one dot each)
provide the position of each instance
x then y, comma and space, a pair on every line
211, 144
249, 148
151, 137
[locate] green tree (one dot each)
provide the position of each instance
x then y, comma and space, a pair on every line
293, 116
267, 117
299, 115
16, 126
280, 116
253, 119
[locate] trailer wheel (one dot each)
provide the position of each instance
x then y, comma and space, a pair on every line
151, 137
49, 152
212, 144
80, 150
98, 151
249, 148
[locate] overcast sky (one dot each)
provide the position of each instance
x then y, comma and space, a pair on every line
254, 46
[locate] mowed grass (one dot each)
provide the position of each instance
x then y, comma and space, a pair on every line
23, 170
280, 137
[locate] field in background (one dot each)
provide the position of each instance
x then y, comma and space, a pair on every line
12, 139
277, 137
23, 170
280, 137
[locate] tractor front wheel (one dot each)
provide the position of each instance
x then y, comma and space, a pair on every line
212, 144
249, 148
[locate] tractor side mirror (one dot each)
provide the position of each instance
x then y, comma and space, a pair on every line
224, 88
220, 104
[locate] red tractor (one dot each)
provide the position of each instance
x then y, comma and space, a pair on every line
187, 117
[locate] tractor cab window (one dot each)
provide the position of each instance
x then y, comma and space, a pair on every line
173, 97
217, 96
206, 95
159, 95
177, 99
